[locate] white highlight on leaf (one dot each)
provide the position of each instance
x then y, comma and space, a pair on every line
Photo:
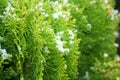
19, 48
71, 34
92, 68
45, 14
117, 58
114, 14
89, 26
87, 75
84, 16
112, 17
60, 6
71, 42
93, 2
65, 66
40, 3
76, 8
65, 1
114, 11
1, 38
60, 43
116, 33
46, 50
106, 1
104, 63
57, 15
105, 55
9, 12
116, 44
9, 7
4, 54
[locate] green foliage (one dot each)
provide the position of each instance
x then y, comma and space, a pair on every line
61, 60
3, 4
42, 40
57, 40
22, 41
96, 25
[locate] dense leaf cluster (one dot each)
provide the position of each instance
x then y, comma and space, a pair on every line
56, 39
